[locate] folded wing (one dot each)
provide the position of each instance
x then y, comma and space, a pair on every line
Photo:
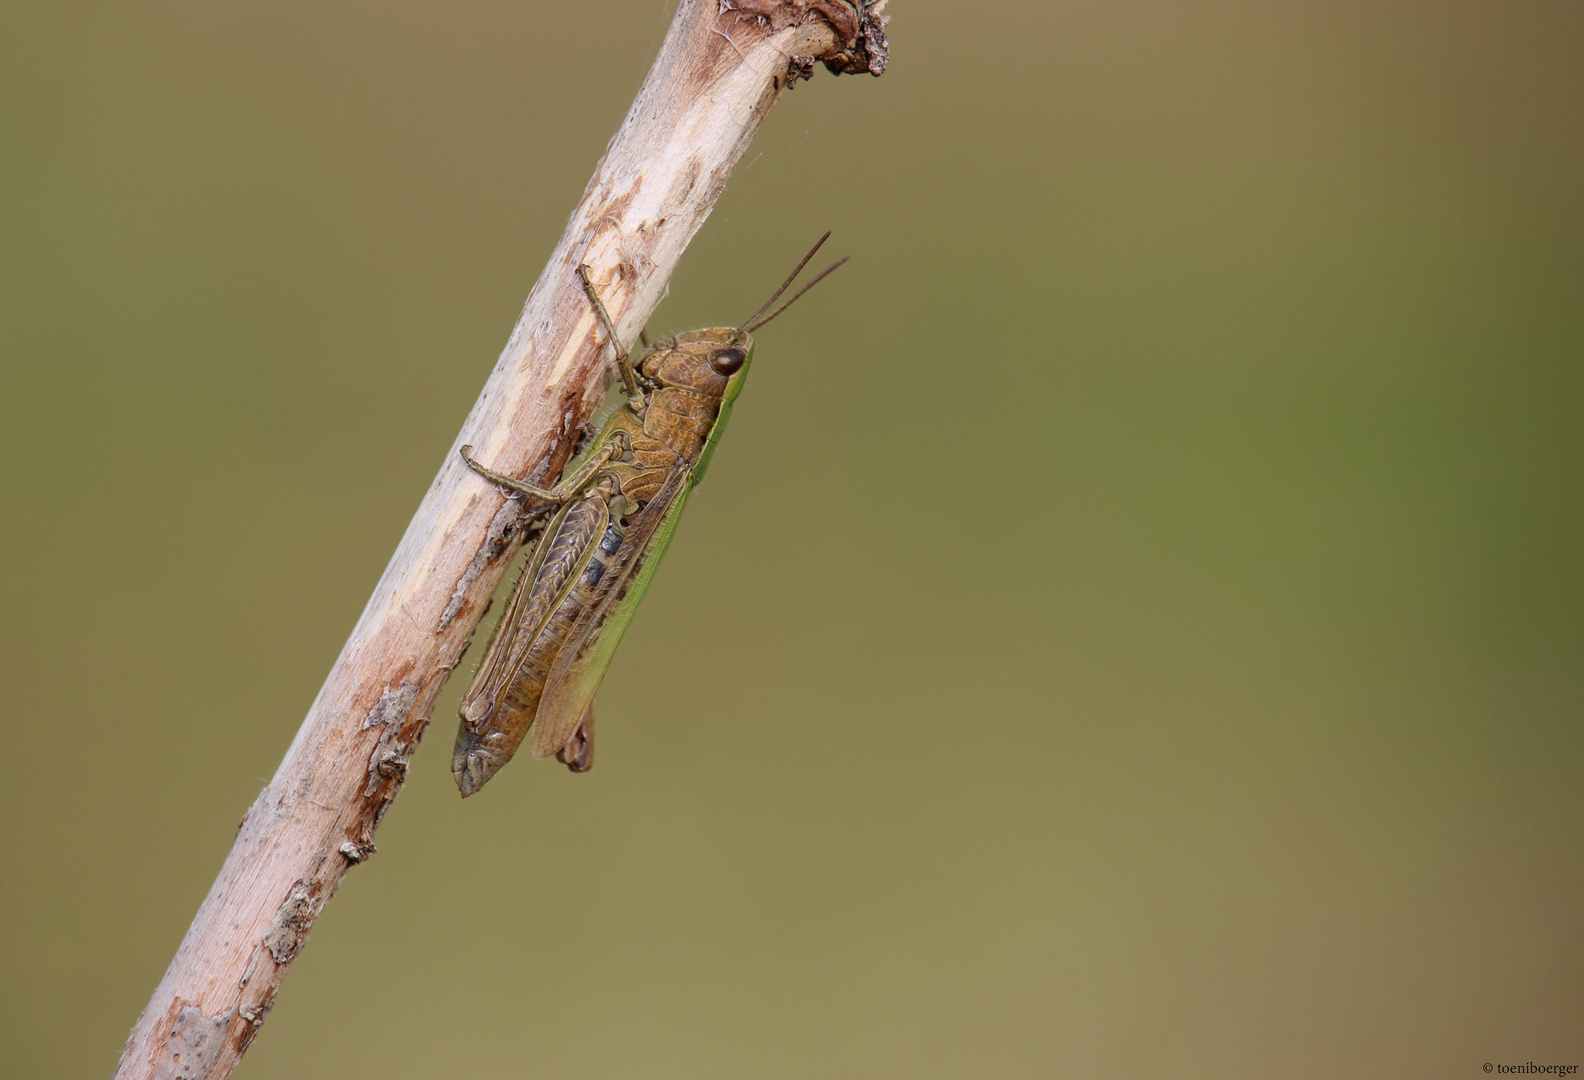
580, 666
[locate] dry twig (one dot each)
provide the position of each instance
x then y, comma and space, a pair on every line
719, 72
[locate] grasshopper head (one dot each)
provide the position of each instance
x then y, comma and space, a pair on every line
712, 362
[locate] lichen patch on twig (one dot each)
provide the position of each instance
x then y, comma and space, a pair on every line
388, 758
393, 705
193, 1044
293, 919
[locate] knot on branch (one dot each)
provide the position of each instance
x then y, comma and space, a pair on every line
859, 27
357, 851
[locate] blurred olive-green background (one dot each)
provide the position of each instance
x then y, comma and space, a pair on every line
1134, 627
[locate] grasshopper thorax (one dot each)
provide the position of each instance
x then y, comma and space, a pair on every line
704, 361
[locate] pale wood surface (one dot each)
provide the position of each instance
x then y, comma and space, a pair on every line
719, 72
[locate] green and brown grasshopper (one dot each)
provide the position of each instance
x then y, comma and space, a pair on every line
615, 515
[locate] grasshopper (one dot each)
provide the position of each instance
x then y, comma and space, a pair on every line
614, 517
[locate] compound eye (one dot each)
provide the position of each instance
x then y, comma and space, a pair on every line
727, 361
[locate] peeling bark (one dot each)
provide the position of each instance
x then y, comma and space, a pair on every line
719, 73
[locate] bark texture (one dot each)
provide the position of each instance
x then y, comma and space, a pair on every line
719, 72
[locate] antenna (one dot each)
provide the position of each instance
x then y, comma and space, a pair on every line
754, 321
